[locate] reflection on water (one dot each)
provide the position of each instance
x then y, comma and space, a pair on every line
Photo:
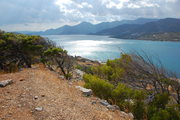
102, 48
87, 47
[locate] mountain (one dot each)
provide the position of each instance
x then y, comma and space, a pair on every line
88, 28
137, 30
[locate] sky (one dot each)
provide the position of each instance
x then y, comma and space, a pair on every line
39, 15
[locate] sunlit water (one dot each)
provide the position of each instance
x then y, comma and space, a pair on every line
102, 48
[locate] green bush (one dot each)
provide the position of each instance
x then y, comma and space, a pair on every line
18, 50
122, 92
174, 114
101, 88
139, 110
161, 100
161, 115
123, 96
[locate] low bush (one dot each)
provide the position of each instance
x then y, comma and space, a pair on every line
101, 88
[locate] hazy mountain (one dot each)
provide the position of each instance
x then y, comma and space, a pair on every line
88, 28
136, 30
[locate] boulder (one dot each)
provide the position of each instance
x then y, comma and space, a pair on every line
5, 83
86, 92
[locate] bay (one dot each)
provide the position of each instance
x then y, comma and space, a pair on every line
102, 48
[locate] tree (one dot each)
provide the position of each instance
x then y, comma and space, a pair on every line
59, 57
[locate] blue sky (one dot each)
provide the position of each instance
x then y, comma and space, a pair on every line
36, 15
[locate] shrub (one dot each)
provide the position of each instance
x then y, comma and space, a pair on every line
174, 114
18, 50
139, 110
161, 100
122, 92
122, 96
161, 115
101, 88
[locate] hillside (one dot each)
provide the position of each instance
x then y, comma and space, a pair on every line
138, 31
88, 28
59, 99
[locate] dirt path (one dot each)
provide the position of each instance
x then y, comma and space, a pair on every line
39, 87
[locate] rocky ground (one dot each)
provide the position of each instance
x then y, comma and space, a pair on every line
40, 94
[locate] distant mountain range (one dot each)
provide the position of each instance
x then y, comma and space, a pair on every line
88, 28
167, 29
142, 28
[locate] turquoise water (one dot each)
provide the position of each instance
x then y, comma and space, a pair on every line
102, 48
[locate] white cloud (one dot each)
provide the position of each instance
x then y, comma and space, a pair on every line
171, 1
46, 12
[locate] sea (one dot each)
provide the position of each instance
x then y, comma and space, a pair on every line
102, 48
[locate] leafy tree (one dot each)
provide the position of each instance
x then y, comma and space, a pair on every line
59, 57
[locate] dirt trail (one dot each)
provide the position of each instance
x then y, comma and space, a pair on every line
59, 100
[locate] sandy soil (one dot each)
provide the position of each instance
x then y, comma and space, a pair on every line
59, 99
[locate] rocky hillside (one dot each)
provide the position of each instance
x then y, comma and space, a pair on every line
40, 94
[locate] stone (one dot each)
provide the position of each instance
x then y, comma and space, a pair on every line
5, 83
86, 92
104, 102
62, 77
111, 107
93, 102
116, 107
35, 97
39, 108
79, 72
131, 115
70, 83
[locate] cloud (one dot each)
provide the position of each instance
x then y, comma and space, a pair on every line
44, 14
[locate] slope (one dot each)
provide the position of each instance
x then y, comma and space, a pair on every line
39, 87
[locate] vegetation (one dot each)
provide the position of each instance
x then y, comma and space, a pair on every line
18, 50
136, 84
60, 59
133, 82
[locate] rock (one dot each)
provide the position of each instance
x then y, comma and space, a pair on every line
35, 97
39, 108
131, 115
111, 107
62, 77
70, 83
86, 92
123, 114
5, 83
104, 102
79, 72
116, 107
93, 102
